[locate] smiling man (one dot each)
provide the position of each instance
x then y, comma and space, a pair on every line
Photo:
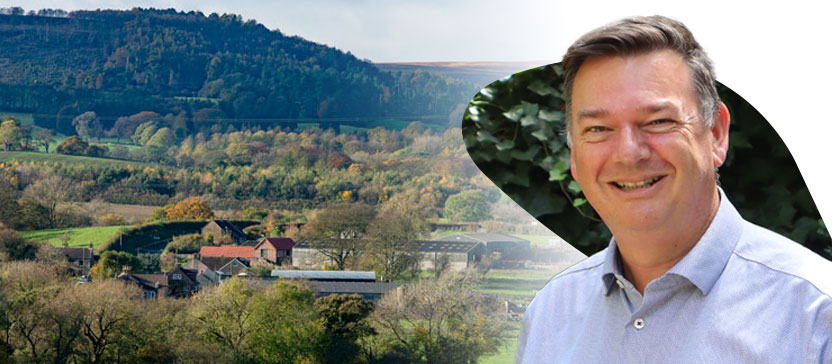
685, 279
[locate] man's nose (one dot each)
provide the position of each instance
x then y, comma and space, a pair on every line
631, 145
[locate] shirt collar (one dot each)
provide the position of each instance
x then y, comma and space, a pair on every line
704, 263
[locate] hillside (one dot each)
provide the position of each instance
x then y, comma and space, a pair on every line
207, 70
478, 73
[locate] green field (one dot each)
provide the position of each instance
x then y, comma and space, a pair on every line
24, 118
78, 237
517, 286
509, 347
25, 157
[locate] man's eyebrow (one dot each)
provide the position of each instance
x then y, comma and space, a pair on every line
591, 113
652, 108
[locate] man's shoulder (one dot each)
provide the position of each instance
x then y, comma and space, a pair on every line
784, 258
574, 283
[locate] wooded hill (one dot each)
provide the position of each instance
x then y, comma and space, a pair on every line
210, 69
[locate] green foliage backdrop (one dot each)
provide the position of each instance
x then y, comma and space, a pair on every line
514, 132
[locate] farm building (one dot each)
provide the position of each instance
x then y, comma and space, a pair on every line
326, 275
223, 232
273, 251
457, 255
494, 242
177, 283
304, 255
81, 260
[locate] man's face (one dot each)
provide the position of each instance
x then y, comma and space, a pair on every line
640, 150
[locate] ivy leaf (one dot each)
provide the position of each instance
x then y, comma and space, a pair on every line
529, 120
578, 202
507, 144
558, 172
541, 88
515, 113
574, 187
550, 115
527, 155
484, 136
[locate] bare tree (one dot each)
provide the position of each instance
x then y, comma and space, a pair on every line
390, 238
441, 321
338, 232
49, 192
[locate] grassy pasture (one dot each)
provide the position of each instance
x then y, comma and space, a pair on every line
133, 214
78, 237
25, 157
509, 347
518, 286
24, 118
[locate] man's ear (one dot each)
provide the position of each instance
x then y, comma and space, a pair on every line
722, 120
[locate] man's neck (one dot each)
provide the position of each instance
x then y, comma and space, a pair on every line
646, 256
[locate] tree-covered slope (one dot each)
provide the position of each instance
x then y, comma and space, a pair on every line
118, 63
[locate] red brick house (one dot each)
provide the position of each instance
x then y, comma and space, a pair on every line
227, 251
273, 251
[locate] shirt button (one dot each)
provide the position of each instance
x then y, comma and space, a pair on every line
638, 323
620, 284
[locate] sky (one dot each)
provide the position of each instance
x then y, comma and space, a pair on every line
774, 55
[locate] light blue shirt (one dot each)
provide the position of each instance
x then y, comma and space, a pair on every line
743, 294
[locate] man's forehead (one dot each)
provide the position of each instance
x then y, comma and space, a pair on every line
652, 108
647, 82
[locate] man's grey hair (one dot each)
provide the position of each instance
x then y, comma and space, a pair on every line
639, 35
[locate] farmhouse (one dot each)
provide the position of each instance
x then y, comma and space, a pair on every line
178, 283
244, 252
273, 251
223, 231
80, 259
494, 242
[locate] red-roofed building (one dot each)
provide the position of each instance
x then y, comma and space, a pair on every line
245, 252
273, 251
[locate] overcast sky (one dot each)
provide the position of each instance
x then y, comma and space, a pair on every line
775, 56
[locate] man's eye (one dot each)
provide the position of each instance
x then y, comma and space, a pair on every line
660, 124
596, 129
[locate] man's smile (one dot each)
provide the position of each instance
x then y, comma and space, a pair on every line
629, 186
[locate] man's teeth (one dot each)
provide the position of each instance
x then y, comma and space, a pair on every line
627, 186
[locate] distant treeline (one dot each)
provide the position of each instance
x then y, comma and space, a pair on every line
58, 65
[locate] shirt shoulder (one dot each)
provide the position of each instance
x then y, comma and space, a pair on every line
572, 284
784, 257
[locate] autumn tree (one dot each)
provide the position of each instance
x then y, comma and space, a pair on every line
49, 192
389, 237
109, 315
345, 320
87, 125
222, 317
192, 208
72, 146
10, 133
440, 321
467, 206
284, 326
111, 263
44, 137
14, 247
338, 232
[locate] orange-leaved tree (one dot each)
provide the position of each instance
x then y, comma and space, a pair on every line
189, 209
